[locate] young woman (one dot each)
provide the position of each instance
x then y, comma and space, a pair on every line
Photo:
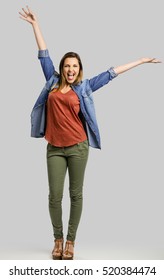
64, 114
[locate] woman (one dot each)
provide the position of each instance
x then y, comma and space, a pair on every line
64, 114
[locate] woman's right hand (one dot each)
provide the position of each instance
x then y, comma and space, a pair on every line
28, 15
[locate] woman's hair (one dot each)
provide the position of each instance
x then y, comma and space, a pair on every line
80, 75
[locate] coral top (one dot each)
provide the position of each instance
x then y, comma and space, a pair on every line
64, 127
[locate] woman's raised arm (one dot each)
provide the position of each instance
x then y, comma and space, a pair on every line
43, 54
29, 16
125, 67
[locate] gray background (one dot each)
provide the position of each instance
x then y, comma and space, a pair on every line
123, 192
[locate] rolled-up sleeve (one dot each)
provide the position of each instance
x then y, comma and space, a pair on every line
46, 63
113, 74
102, 79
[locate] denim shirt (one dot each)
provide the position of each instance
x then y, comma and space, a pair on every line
84, 92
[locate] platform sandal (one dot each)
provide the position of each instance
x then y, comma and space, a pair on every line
68, 254
57, 252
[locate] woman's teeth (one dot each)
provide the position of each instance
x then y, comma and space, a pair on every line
70, 77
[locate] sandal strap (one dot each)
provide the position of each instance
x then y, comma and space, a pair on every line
59, 240
67, 251
70, 242
57, 248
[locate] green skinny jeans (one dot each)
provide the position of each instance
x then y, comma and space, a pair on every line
74, 158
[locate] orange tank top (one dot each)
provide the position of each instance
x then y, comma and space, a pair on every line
63, 126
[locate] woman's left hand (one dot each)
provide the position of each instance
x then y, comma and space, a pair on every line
150, 60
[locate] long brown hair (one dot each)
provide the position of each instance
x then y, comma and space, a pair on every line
80, 75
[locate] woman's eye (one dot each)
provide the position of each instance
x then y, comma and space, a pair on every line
68, 66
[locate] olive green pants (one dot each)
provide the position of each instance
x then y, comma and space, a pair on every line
73, 158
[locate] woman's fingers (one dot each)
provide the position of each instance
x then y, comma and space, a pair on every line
29, 10
27, 15
151, 60
25, 11
23, 16
156, 60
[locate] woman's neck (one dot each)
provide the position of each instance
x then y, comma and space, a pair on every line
65, 88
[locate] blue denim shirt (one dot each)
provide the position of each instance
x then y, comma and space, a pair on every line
84, 92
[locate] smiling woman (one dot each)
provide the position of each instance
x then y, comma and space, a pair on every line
71, 70
64, 114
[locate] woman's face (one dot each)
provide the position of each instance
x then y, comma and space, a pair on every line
71, 69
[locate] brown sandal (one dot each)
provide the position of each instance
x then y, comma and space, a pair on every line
58, 249
68, 254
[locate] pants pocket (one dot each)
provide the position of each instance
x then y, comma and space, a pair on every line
83, 148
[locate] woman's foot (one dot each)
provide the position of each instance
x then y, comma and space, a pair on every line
68, 252
58, 249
